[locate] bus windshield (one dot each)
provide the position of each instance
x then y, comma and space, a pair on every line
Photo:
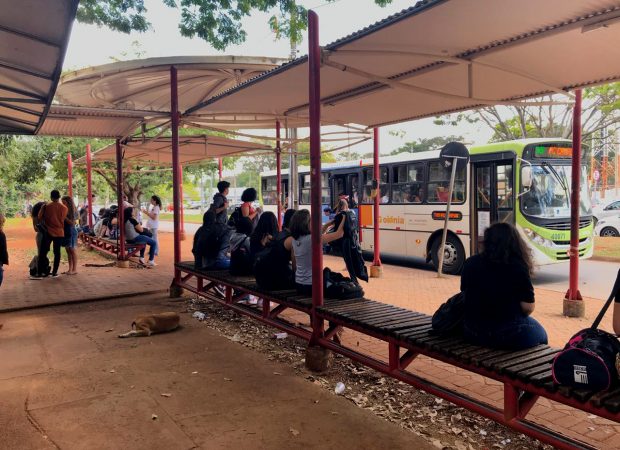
549, 195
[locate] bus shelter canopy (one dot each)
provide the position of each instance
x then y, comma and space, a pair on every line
443, 56
144, 84
33, 40
192, 150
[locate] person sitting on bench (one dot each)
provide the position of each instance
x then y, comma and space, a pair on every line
499, 296
211, 241
133, 230
301, 249
265, 230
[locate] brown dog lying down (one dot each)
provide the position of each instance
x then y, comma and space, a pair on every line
154, 323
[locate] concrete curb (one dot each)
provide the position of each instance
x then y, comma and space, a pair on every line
83, 300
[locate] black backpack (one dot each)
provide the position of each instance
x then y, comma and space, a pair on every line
449, 318
588, 360
241, 259
336, 285
234, 217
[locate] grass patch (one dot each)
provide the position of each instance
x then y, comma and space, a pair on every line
189, 218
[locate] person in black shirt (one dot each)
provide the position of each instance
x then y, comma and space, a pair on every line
265, 231
220, 202
4, 254
499, 296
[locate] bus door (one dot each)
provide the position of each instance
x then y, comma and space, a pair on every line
492, 194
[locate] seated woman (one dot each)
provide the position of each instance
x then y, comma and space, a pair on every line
132, 235
266, 229
499, 296
248, 197
301, 249
209, 241
272, 267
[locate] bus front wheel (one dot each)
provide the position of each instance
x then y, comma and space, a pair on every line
454, 254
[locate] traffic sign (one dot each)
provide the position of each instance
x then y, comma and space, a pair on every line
453, 150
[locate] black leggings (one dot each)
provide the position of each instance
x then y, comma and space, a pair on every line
45, 248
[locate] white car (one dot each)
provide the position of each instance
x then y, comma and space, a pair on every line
606, 209
608, 226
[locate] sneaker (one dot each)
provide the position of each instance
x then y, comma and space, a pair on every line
141, 261
151, 263
220, 290
54, 275
35, 277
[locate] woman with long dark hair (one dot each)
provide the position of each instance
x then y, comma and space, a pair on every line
265, 230
152, 223
133, 235
70, 241
499, 296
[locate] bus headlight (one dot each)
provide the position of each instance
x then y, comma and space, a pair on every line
537, 238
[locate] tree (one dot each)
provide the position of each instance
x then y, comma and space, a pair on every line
600, 111
424, 145
216, 21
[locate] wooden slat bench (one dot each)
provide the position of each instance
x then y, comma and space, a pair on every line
525, 375
111, 246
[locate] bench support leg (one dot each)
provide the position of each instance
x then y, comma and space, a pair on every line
276, 311
266, 307
394, 356
517, 403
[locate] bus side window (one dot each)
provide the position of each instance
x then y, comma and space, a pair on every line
407, 183
384, 187
439, 184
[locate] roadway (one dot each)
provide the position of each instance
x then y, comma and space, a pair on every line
596, 278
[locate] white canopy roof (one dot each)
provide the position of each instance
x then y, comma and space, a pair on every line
192, 150
33, 40
442, 56
144, 84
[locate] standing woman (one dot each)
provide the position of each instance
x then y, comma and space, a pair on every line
4, 254
152, 223
70, 242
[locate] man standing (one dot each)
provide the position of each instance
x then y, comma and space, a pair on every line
220, 202
52, 216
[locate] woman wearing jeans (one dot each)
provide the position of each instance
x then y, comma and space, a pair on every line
499, 296
152, 223
133, 236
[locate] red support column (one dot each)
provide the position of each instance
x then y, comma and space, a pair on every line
122, 262
573, 303
176, 181
182, 207
314, 78
70, 174
219, 168
89, 185
376, 270
279, 174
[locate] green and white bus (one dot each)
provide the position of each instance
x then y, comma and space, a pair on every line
525, 182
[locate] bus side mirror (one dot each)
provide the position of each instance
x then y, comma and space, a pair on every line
526, 177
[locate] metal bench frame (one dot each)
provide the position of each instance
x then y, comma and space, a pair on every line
111, 246
519, 395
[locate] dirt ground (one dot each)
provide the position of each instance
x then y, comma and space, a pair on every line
67, 382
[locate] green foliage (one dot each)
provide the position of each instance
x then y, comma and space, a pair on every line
218, 22
424, 145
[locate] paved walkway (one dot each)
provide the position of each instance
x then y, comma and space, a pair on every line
415, 289
68, 383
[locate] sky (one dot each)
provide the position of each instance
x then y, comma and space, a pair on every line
92, 46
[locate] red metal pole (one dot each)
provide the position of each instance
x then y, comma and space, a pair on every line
314, 78
176, 182
573, 290
377, 176
182, 207
70, 174
119, 199
219, 167
279, 174
89, 185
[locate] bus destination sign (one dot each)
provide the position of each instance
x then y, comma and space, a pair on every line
543, 151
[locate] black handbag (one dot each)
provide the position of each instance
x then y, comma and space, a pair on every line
146, 232
588, 360
449, 318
